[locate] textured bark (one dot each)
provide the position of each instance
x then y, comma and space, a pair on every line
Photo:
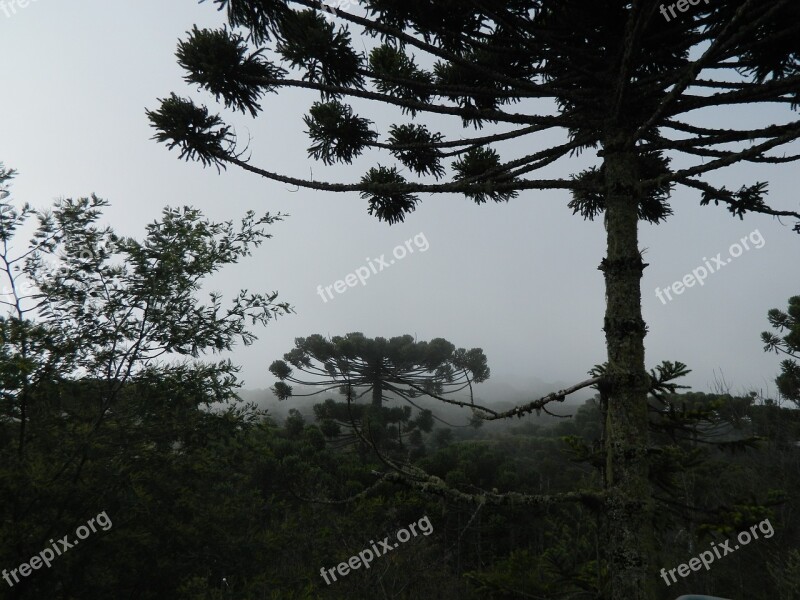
629, 506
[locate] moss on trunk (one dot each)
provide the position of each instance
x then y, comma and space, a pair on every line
629, 509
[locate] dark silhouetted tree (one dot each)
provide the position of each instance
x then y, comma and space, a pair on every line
614, 77
400, 368
788, 324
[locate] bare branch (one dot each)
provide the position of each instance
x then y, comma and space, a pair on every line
541, 402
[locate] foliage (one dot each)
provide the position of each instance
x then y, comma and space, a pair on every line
788, 381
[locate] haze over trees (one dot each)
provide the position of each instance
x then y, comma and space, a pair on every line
106, 404
625, 84
91, 419
399, 368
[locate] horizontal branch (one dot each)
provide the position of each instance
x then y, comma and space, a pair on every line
544, 400
475, 142
430, 484
705, 152
754, 151
415, 105
771, 91
454, 188
714, 137
519, 411
718, 194
449, 400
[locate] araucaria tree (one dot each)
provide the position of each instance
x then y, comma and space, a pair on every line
788, 322
626, 82
400, 368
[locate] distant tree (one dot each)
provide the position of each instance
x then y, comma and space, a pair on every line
400, 367
334, 417
625, 79
788, 381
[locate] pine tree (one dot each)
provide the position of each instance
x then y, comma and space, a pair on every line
627, 79
401, 368
788, 322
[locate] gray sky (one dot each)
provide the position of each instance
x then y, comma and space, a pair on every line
519, 280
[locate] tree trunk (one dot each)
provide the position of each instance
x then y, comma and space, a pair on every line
377, 383
629, 511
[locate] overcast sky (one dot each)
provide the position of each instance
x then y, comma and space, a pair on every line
519, 280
